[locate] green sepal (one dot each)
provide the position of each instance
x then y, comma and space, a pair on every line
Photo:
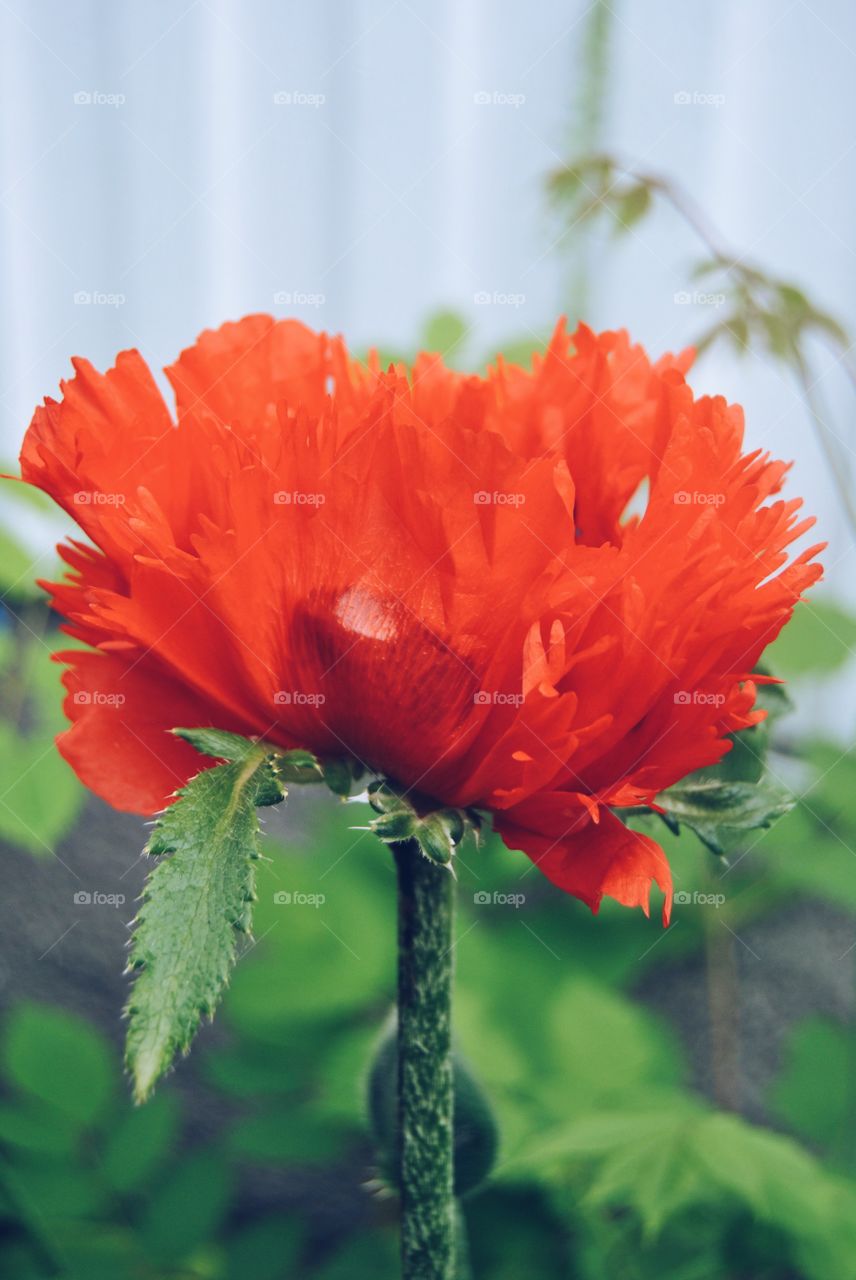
438, 832
298, 766
393, 827
339, 775
435, 837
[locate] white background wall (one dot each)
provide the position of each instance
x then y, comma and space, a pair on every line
198, 198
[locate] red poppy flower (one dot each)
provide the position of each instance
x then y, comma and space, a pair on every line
539, 593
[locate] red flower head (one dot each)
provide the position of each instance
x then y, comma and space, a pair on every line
540, 593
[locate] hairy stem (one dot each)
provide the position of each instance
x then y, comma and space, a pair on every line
425, 912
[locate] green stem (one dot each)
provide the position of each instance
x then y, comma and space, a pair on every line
463, 1270
425, 913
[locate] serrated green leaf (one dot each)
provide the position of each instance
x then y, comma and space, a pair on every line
665, 1179
195, 903
720, 811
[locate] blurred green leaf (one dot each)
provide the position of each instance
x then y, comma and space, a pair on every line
266, 1250
186, 1208
513, 1232
29, 1125
331, 915
139, 1143
587, 1021
61, 1060
813, 1092
41, 795
15, 564
445, 333
60, 1190
632, 205
662, 1162
371, 1256
287, 1133
819, 639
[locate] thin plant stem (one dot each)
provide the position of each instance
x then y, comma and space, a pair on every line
425, 961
